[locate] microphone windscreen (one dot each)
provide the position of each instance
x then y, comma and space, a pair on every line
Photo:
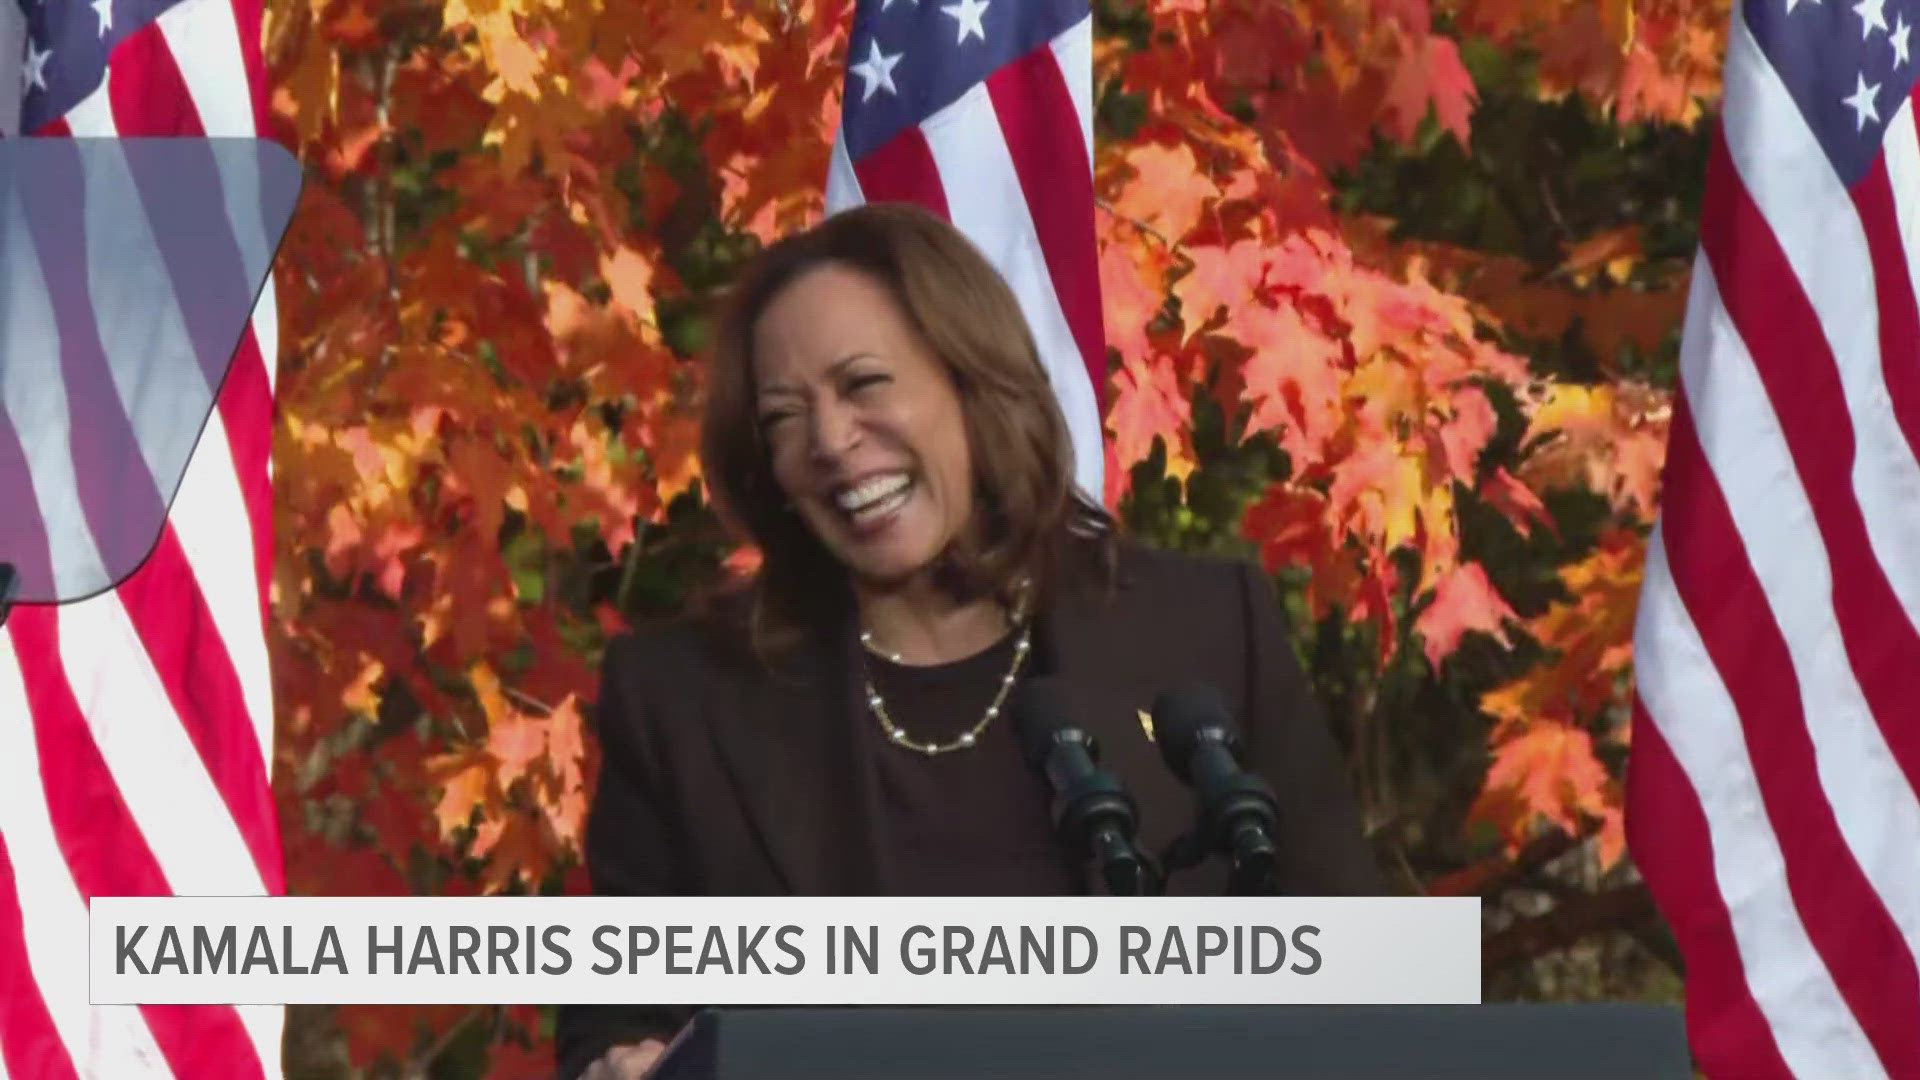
1040, 708
1180, 714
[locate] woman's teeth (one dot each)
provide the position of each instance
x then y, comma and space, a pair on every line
875, 497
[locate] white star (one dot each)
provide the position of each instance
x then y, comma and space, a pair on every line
1872, 17
1899, 39
34, 73
967, 13
1862, 103
876, 69
103, 10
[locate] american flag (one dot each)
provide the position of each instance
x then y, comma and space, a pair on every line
1776, 749
982, 112
136, 726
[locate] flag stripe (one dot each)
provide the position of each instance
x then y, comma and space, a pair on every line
169, 613
152, 96
1804, 385
1671, 831
1893, 287
109, 1041
1036, 114
101, 839
1787, 188
29, 1043
147, 752
165, 601
119, 504
1843, 916
1791, 986
1901, 159
903, 170
966, 141
1774, 522
1073, 56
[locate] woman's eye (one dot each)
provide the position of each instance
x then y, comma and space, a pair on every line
861, 382
769, 420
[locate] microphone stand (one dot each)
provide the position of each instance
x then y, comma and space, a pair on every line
1250, 860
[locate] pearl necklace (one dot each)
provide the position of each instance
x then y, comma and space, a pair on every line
966, 739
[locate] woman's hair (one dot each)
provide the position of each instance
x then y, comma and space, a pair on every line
1029, 519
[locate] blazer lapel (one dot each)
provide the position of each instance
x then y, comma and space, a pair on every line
788, 739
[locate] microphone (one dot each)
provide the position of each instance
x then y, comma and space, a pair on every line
1093, 814
1238, 813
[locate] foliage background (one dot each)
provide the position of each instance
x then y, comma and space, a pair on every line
1392, 292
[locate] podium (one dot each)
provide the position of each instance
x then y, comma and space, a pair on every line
1178, 1042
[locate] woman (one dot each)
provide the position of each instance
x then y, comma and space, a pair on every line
880, 425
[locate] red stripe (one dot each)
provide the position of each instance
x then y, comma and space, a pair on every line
1667, 833
116, 492
167, 606
1042, 129
903, 170
246, 411
176, 628
145, 90
103, 844
150, 97
30, 1045
247, 20
1846, 920
1802, 378
1893, 288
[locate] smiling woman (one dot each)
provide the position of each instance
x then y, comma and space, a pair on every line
880, 425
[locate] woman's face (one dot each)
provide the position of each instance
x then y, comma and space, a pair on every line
863, 423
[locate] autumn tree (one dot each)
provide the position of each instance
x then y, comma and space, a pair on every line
1391, 290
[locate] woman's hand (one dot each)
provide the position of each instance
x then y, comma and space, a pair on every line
629, 1062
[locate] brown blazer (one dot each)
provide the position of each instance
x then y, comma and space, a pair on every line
721, 779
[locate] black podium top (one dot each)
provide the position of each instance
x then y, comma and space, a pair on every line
1375, 1042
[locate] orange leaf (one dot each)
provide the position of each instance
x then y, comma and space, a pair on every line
1148, 402
464, 787
1463, 600
515, 742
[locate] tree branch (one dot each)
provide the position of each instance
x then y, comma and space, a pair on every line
1569, 921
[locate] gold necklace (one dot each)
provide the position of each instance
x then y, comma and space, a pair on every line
968, 738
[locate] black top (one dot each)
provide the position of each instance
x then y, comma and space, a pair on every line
970, 822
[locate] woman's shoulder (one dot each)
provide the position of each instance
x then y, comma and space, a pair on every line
708, 638
1166, 571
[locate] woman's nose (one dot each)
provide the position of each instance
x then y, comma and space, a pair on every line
835, 431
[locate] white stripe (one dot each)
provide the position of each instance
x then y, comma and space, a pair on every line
153, 762
177, 425
987, 203
156, 371
1073, 51
843, 184
107, 1041
1685, 697
1901, 150
93, 117
33, 393
209, 517
1783, 167
154, 364
204, 39
205, 42
1876, 810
